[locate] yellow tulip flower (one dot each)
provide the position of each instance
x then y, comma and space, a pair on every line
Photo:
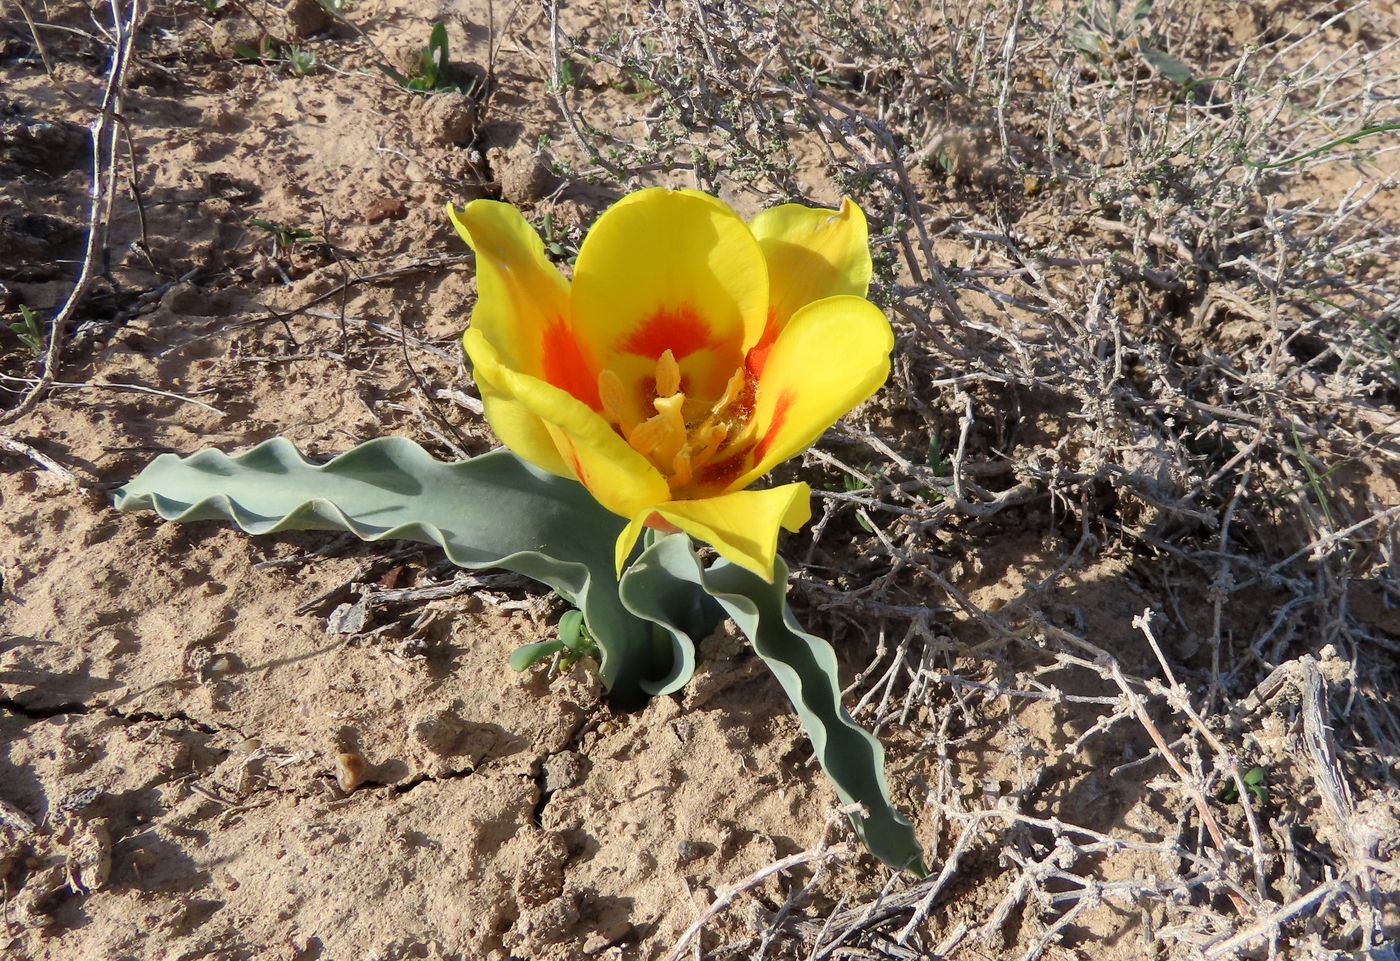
691, 354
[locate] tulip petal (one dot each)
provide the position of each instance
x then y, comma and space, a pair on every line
519, 429
832, 355
812, 253
741, 526
621, 479
669, 270
522, 304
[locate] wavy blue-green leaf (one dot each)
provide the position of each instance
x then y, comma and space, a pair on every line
677, 606
805, 666
490, 511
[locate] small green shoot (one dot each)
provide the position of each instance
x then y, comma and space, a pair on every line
434, 67
284, 238
335, 8
1253, 783
29, 329
1103, 34
938, 461
553, 244
567, 77
854, 485
573, 644
1314, 482
300, 60
268, 50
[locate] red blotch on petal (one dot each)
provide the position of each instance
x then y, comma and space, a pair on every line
564, 366
680, 330
780, 412
718, 475
757, 356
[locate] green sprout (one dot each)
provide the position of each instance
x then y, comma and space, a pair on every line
300, 60
29, 329
552, 242
854, 485
573, 644
1105, 35
1314, 481
284, 237
567, 77
938, 460
434, 67
1253, 783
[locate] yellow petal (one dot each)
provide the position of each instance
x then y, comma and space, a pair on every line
742, 526
669, 270
621, 479
519, 429
832, 355
522, 304
812, 253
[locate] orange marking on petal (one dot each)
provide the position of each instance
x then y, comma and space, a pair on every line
780, 412
656, 522
681, 331
564, 366
757, 356
575, 465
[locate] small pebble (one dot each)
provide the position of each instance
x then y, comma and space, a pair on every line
350, 770
687, 851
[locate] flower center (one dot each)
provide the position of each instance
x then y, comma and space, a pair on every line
683, 436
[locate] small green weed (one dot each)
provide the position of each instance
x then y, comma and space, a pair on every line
567, 75
553, 242
300, 60
1105, 35
854, 485
29, 329
938, 461
1314, 481
573, 644
284, 237
434, 67
1253, 783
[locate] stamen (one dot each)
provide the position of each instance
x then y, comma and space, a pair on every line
613, 395
668, 411
668, 374
648, 435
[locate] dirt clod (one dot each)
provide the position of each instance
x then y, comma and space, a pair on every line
448, 117
304, 18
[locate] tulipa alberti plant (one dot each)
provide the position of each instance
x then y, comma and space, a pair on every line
638, 405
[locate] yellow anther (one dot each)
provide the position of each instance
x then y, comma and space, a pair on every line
613, 395
647, 435
668, 374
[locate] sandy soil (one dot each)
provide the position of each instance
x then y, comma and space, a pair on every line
176, 701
